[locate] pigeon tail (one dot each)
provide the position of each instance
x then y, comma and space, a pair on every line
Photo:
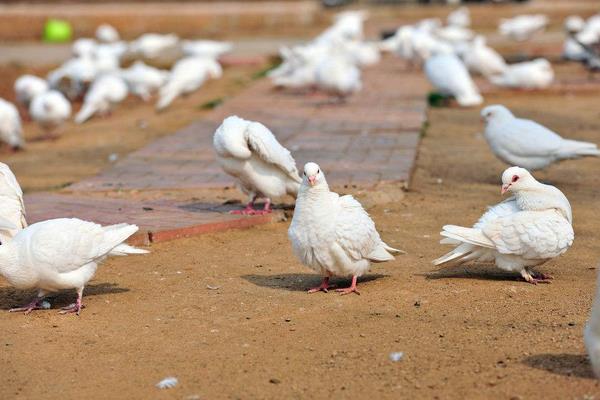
167, 95
469, 100
574, 149
466, 235
85, 113
124, 249
463, 250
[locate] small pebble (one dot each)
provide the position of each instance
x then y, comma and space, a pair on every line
209, 287
274, 381
113, 157
396, 356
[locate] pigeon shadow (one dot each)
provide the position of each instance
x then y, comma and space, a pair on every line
478, 272
576, 365
11, 297
229, 206
302, 282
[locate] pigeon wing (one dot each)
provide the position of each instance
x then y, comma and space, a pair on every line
531, 234
355, 231
265, 145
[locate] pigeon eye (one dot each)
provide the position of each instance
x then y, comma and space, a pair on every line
515, 178
304, 173
318, 171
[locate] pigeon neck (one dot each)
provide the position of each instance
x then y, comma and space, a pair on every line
540, 197
314, 191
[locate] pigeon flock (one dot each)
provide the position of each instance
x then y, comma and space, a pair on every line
102, 73
331, 234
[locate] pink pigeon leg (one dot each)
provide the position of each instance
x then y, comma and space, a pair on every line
323, 287
249, 210
33, 305
534, 281
75, 307
351, 289
266, 210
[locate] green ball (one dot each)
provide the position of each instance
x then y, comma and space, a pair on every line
57, 31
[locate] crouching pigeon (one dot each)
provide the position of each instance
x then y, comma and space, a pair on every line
526, 143
524, 231
61, 254
333, 234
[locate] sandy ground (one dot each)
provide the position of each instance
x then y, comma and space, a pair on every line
466, 332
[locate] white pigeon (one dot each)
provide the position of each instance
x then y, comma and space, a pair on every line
74, 76
347, 25
12, 212
536, 74
143, 80
83, 47
263, 168
11, 131
333, 234
523, 142
450, 77
50, 109
152, 45
205, 48
524, 231
61, 254
460, 17
522, 27
27, 87
454, 34
484, 60
104, 94
106, 33
591, 333
187, 75
336, 74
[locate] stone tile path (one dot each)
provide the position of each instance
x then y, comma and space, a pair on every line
370, 139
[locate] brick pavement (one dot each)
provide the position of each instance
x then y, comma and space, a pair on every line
370, 139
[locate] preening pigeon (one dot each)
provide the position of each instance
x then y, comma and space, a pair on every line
12, 212
450, 77
61, 254
536, 74
50, 109
249, 152
333, 234
11, 132
524, 231
591, 333
338, 75
29, 86
523, 142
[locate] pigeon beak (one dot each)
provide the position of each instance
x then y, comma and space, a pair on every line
505, 188
312, 180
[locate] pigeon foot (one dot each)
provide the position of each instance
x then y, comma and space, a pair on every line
26, 309
351, 289
323, 287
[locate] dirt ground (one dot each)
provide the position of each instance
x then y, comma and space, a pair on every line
466, 332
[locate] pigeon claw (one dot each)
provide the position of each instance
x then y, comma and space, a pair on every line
27, 309
351, 289
72, 308
323, 287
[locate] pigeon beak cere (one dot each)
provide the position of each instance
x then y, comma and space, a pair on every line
312, 180
505, 188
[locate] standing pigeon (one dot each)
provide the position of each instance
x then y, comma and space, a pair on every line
27, 87
61, 254
105, 93
143, 80
333, 234
249, 152
526, 143
336, 74
106, 33
591, 333
13, 208
187, 75
450, 77
460, 17
484, 60
11, 132
536, 74
50, 110
524, 231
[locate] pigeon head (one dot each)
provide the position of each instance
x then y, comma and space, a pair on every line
515, 179
495, 113
313, 174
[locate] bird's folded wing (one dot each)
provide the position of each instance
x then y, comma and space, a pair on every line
263, 142
531, 234
11, 181
529, 138
503, 209
67, 244
355, 231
